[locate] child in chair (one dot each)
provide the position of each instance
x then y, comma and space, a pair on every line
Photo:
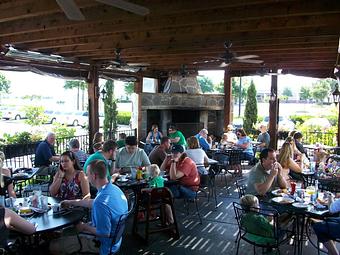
259, 227
156, 180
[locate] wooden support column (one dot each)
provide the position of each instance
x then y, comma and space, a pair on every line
228, 99
93, 96
273, 113
138, 91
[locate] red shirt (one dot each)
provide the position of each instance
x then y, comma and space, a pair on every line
191, 177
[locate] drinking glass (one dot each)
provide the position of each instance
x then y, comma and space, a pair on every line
2, 201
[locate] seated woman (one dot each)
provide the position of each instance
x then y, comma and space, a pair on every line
153, 138
6, 183
329, 230
197, 154
289, 166
244, 143
98, 141
259, 226
296, 152
182, 168
9, 220
230, 137
70, 181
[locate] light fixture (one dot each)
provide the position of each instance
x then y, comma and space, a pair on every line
103, 94
336, 92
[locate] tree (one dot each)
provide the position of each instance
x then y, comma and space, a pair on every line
250, 112
4, 85
110, 110
35, 115
235, 89
129, 88
205, 83
305, 93
79, 85
287, 92
321, 89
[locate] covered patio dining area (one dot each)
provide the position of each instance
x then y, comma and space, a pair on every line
170, 41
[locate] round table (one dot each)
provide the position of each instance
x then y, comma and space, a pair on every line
50, 221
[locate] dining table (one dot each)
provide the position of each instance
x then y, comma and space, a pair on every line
24, 174
48, 220
299, 206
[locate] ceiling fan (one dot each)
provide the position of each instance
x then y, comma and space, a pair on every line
119, 63
73, 12
229, 57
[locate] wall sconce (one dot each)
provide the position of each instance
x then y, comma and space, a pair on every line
103, 94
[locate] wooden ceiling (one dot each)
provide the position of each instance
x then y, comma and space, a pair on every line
300, 37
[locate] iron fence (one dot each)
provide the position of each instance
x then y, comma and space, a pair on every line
325, 138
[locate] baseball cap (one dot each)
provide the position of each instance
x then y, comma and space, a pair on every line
177, 148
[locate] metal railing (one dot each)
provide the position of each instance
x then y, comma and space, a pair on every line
22, 155
325, 138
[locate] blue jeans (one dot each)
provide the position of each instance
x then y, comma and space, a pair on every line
327, 230
179, 191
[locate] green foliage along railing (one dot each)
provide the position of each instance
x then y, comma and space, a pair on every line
325, 138
123, 118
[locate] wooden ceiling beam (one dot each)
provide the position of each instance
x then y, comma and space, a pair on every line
104, 15
173, 42
262, 24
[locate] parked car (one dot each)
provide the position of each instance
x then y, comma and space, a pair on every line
322, 123
83, 118
50, 116
13, 113
284, 123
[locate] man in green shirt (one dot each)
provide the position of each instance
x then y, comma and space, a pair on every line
176, 136
107, 153
265, 175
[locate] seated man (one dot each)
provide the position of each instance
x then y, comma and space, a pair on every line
45, 155
176, 136
266, 174
108, 206
263, 138
131, 156
75, 148
159, 153
182, 168
204, 141
107, 153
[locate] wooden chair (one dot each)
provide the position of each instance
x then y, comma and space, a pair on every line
152, 201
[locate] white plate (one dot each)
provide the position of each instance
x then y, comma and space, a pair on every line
300, 205
283, 200
278, 192
126, 180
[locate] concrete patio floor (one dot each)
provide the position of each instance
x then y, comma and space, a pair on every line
216, 235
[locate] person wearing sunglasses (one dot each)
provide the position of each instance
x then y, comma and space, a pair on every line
244, 143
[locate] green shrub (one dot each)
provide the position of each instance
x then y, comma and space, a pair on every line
21, 138
35, 115
61, 130
123, 118
300, 119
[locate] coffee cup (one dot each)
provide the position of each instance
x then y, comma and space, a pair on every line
56, 208
122, 178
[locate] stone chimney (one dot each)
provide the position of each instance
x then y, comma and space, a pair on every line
180, 84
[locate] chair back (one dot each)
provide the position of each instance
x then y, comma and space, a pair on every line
120, 227
235, 156
248, 220
241, 187
204, 180
157, 195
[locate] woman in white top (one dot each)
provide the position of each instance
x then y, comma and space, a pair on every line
229, 138
197, 154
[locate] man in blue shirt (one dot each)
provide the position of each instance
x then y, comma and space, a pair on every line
108, 206
204, 140
45, 155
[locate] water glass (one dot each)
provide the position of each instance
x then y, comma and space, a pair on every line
312, 166
133, 171
2, 201
44, 202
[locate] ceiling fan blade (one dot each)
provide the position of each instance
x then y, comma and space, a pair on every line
70, 9
224, 64
246, 56
206, 61
250, 61
127, 6
138, 64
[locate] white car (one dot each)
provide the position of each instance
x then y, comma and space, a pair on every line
285, 124
323, 123
83, 118
12, 113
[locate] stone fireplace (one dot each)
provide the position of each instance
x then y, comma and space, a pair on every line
183, 104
